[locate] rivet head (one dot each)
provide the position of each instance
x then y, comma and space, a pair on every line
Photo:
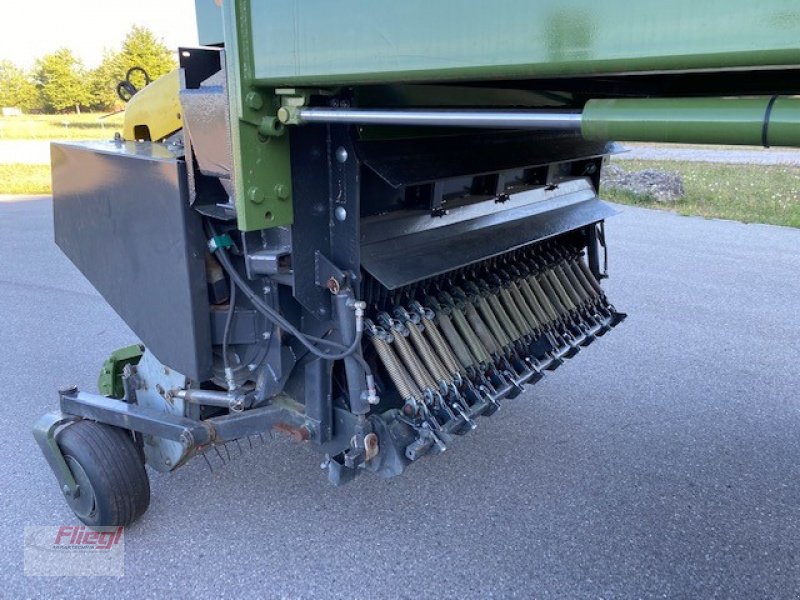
255, 195
340, 213
341, 154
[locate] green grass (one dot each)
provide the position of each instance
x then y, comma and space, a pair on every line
87, 126
666, 146
747, 193
24, 179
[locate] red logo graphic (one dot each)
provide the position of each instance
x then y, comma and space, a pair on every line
72, 537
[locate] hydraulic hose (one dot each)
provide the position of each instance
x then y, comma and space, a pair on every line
226, 336
274, 316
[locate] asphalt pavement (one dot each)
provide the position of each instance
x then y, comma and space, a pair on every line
662, 461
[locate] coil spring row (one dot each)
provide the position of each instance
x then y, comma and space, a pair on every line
462, 345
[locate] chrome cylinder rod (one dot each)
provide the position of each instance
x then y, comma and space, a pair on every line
491, 119
766, 121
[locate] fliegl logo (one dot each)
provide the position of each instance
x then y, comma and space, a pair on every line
74, 538
74, 550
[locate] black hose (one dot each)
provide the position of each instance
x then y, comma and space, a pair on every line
274, 316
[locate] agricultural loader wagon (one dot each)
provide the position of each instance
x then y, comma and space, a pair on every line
368, 225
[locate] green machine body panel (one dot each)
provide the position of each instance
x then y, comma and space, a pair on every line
315, 42
209, 22
261, 162
273, 46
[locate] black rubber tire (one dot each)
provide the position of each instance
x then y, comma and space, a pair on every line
110, 461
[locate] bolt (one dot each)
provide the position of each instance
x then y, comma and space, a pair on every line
281, 191
267, 290
254, 100
68, 390
168, 462
333, 285
186, 439
66, 491
270, 126
266, 335
340, 213
341, 154
255, 195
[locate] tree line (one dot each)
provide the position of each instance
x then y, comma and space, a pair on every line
59, 82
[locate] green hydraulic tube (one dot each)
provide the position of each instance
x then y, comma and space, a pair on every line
763, 121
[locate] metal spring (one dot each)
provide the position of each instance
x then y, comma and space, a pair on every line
568, 287
481, 330
582, 295
397, 373
533, 303
457, 344
516, 316
475, 346
429, 357
558, 288
444, 351
491, 320
526, 311
591, 278
418, 371
503, 317
543, 299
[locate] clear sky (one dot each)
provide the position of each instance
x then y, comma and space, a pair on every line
31, 28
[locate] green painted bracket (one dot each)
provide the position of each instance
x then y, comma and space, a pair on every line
44, 432
110, 381
262, 168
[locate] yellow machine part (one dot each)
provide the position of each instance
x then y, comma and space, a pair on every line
154, 112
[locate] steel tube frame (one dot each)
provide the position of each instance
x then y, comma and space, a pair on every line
216, 429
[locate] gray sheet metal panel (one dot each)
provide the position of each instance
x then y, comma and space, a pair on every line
206, 118
121, 214
399, 260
